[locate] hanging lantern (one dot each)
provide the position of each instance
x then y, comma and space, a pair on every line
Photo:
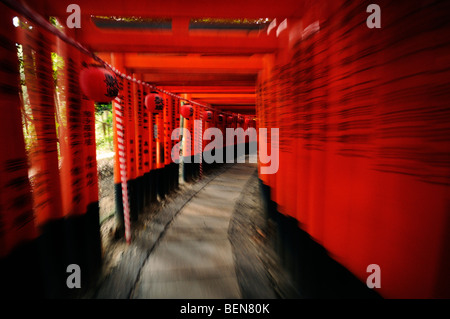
99, 84
208, 116
247, 121
230, 119
154, 102
187, 111
220, 118
240, 119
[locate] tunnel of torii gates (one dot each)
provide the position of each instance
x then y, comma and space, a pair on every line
363, 118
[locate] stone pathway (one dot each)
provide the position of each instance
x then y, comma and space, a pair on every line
194, 258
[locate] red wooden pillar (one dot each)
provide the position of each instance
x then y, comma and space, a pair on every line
146, 126
168, 128
121, 136
138, 184
176, 124
160, 152
17, 221
188, 124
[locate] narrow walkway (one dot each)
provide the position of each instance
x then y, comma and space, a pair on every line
194, 259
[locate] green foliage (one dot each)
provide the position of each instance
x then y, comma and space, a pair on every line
103, 111
231, 21
56, 23
57, 66
101, 107
131, 19
103, 127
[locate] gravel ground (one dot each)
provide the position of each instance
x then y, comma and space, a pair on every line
105, 168
251, 236
122, 262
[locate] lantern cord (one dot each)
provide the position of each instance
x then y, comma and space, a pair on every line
33, 16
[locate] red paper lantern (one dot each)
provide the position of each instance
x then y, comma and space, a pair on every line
220, 118
247, 121
240, 119
99, 84
154, 102
208, 116
187, 111
230, 119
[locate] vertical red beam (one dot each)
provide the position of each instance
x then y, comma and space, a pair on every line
168, 128
176, 124
118, 111
200, 139
264, 115
88, 122
40, 111
152, 138
196, 139
277, 113
19, 264
17, 221
42, 146
75, 179
207, 124
221, 123
146, 126
130, 127
145, 133
138, 119
160, 161
92, 249
259, 113
153, 131
131, 141
121, 136
71, 141
160, 152
138, 187
187, 145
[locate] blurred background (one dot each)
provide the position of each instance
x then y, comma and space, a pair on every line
363, 144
